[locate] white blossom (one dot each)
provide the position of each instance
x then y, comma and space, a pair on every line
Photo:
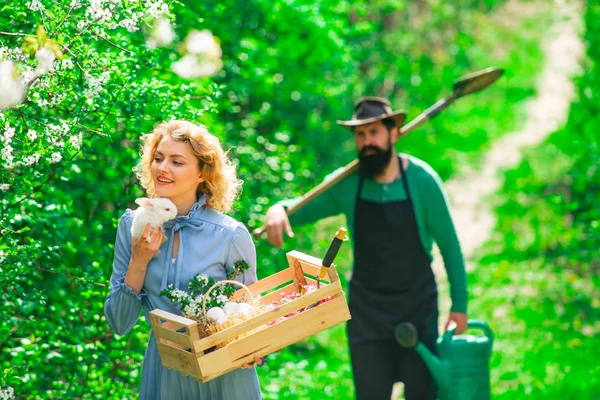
222, 299
7, 156
156, 8
32, 135
76, 141
95, 84
13, 54
8, 393
45, 58
27, 76
30, 160
56, 157
179, 294
161, 34
12, 89
9, 133
129, 24
203, 58
57, 99
188, 67
203, 42
5, 187
35, 5
67, 63
97, 12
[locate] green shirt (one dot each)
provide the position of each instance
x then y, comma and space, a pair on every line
431, 208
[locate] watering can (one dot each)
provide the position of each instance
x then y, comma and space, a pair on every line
462, 369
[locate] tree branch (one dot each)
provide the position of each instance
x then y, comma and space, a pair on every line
114, 45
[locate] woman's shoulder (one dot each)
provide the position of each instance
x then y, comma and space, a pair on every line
224, 221
127, 217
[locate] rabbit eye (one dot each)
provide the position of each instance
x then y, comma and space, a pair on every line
168, 209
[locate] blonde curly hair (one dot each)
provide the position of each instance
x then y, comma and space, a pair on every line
221, 184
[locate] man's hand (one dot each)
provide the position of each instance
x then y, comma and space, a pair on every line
460, 319
277, 221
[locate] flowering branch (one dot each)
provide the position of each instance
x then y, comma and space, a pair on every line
16, 34
113, 44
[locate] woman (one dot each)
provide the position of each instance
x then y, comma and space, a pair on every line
186, 164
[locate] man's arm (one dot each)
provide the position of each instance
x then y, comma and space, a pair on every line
277, 220
440, 225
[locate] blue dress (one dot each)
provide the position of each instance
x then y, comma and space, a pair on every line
209, 243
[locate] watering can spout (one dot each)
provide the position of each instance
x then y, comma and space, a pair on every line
439, 369
406, 335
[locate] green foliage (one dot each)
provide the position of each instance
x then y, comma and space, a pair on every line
290, 69
539, 282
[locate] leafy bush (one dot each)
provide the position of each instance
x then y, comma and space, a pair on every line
289, 69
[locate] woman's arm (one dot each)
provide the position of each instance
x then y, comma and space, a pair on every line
122, 307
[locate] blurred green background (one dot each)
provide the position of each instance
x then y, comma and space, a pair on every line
291, 68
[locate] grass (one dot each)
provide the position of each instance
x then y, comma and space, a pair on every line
544, 309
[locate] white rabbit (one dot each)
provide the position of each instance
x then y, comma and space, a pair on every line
154, 212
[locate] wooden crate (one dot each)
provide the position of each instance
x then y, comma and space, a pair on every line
181, 347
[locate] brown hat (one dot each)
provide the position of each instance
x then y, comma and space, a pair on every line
371, 109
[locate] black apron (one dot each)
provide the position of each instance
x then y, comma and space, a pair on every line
392, 280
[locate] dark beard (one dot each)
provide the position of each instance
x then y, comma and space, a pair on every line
373, 164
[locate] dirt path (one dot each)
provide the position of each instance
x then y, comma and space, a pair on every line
546, 112
470, 190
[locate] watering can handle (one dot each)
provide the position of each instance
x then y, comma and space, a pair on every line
472, 324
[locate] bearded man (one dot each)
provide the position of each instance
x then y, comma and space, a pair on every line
396, 208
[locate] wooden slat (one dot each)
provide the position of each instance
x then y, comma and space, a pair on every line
259, 320
275, 296
179, 360
317, 262
177, 321
332, 274
266, 284
311, 265
297, 271
280, 335
179, 338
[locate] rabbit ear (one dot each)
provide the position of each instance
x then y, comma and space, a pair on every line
144, 202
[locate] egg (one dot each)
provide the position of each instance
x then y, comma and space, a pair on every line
244, 308
230, 307
215, 314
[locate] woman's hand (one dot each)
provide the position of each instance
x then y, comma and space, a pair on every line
257, 361
146, 246
142, 251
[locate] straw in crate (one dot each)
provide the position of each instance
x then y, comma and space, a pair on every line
212, 324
